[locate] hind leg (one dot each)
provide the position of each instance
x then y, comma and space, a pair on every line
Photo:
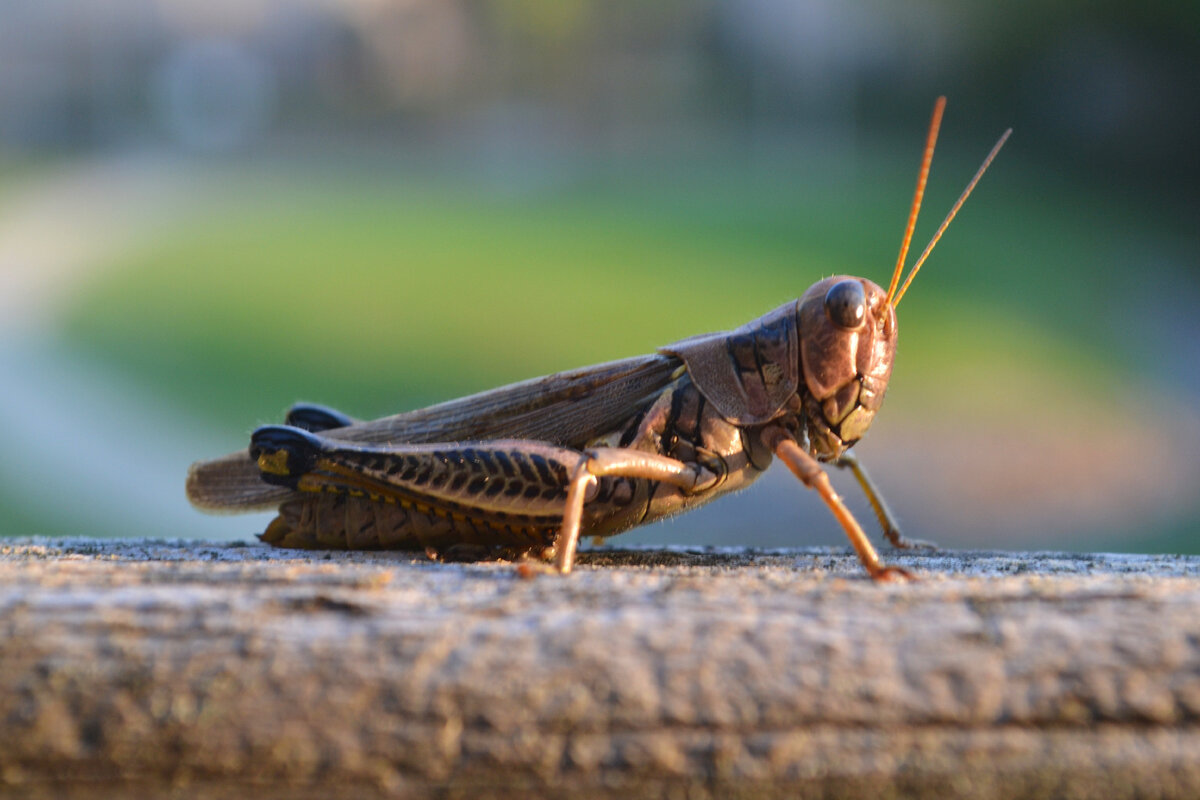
316, 418
517, 487
498, 492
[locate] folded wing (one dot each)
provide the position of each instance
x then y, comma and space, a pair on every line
567, 409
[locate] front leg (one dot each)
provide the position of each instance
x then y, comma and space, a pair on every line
806, 468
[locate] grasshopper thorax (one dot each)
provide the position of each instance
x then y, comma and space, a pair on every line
824, 359
847, 345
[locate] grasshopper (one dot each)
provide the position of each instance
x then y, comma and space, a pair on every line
531, 467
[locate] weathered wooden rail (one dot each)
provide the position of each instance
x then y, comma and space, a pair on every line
187, 669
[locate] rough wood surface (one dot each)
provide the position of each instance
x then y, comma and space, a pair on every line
138, 668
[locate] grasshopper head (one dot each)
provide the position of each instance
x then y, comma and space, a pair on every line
847, 345
848, 329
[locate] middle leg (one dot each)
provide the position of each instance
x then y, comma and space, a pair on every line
887, 520
619, 462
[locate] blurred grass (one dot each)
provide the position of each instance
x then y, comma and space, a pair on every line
15, 173
377, 290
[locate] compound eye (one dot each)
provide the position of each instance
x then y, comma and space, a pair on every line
846, 304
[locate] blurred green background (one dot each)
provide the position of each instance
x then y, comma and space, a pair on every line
210, 211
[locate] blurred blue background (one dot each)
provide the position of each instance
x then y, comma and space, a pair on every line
211, 210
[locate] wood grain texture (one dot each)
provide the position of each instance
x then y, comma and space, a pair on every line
136, 668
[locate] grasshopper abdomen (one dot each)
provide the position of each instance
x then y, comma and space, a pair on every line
507, 493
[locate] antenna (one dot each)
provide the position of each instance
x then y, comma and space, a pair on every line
922, 177
946, 222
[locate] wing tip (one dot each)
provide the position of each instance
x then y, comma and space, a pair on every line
231, 484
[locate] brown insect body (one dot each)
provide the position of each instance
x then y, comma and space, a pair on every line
595, 451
